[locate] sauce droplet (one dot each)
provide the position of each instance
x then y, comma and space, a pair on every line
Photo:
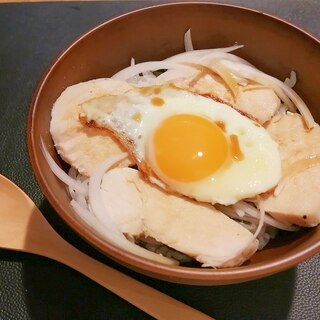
156, 101
221, 125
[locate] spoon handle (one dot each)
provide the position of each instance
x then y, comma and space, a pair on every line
24, 228
151, 301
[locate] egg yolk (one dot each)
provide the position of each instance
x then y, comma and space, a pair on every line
188, 147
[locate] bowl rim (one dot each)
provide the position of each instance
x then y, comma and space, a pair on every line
163, 271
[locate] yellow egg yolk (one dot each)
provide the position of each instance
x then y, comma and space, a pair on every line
188, 147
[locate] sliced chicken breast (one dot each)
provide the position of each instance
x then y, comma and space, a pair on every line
208, 85
83, 147
296, 199
259, 102
198, 230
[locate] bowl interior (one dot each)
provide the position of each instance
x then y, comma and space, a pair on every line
153, 34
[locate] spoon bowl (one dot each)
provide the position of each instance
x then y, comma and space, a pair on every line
23, 228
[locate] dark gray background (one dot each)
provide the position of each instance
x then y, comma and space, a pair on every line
31, 287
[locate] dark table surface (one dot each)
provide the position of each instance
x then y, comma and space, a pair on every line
32, 287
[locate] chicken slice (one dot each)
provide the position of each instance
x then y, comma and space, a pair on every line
123, 200
256, 101
298, 200
208, 85
83, 147
260, 102
195, 229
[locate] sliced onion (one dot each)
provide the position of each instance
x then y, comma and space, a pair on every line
261, 220
89, 218
190, 56
73, 174
233, 215
258, 76
254, 212
131, 71
292, 80
95, 199
247, 208
280, 225
240, 213
301, 106
213, 56
65, 178
285, 93
188, 41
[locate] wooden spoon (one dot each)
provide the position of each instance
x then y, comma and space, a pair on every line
23, 228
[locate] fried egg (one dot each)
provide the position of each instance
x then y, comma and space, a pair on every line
194, 145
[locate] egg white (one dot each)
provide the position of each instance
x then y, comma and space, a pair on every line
134, 116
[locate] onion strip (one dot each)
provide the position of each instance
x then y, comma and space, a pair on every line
133, 70
291, 80
261, 220
254, 212
188, 41
208, 58
285, 93
65, 178
95, 199
190, 56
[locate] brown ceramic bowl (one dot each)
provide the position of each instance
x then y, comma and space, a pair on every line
155, 33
